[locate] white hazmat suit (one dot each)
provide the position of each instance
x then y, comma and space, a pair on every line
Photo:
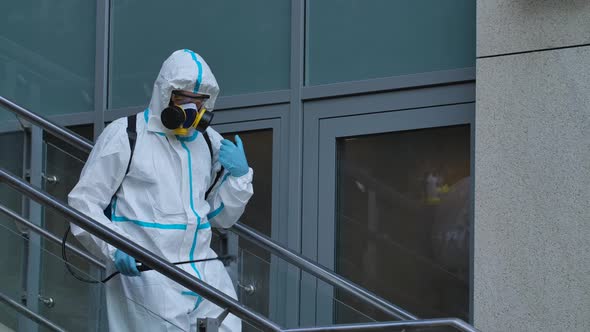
161, 206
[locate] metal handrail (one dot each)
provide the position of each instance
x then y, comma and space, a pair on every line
29, 313
291, 256
55, 129
437, 322
321, 272
50, 236
148, 258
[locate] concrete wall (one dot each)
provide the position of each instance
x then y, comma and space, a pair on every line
532, 166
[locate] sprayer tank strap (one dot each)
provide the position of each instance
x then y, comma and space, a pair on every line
132, 136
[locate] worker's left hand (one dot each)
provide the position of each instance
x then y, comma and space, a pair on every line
233, 158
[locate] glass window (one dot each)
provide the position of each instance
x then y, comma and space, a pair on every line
258, 148
47, 55
351, 40
403, 219
253, 261
246, 44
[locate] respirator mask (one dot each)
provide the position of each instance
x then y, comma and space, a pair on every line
190, 114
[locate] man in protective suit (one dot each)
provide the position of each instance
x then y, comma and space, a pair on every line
158, 199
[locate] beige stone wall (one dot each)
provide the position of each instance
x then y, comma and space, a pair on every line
532, 166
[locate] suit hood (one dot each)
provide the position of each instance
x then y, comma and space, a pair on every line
183, 70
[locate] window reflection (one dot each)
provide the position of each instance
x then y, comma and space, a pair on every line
403, 224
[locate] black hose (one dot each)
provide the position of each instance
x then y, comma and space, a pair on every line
65, 258
140, 267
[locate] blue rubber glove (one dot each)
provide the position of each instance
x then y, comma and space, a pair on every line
125, 264
233, 158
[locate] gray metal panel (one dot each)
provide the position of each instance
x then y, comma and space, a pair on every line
326, 227
390, 101
277, 265
25, 203
33, 252
384, 122
35, 216
249, 113
252, 99
297, 63
248, 102
389, 83
101, 65
309, 213
272, 123
284, 228
285, 285
333, 128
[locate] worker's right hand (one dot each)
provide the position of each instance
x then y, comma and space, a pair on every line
125, 264
233, 158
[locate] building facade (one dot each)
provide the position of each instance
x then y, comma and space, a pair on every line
434, 152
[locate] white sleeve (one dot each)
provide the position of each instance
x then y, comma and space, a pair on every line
230, 195
100, 178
